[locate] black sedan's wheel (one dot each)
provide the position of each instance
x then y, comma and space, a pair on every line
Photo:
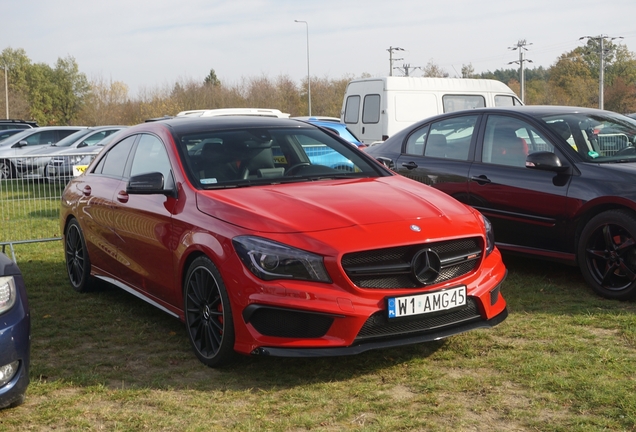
208, 315
607, 254
78, 265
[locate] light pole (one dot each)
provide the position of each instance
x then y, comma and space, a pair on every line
308, 76
521, 46
6, 90
391, 59
601, 72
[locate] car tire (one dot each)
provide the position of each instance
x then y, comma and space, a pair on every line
607, 254
208, 315
78, 264
7, 170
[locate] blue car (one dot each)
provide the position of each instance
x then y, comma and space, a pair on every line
334, 125
15, 334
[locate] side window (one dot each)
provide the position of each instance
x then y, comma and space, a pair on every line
352, 109
65, 133
506, 100
45, 137
114, 162
415, 143
451, 138
151, 156
508, 141
96, 137
460, 102
371, 109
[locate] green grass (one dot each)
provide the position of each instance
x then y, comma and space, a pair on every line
29, 210
564, 360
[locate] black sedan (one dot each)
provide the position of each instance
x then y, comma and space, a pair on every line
556, 182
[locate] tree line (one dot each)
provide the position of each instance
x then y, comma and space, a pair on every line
62, 95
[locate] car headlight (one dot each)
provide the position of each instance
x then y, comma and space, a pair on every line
269, 260
7, 293
490, 235
75, 159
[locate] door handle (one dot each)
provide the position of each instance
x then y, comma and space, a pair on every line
409, 165
122, 197
482, 179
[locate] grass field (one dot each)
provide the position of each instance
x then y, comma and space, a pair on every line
564, 360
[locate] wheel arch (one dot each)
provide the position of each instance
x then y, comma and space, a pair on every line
596, 207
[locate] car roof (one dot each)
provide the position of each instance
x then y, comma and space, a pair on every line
186, 125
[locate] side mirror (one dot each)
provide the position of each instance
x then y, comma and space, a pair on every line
82, 144
147, 184
387, 162
545, 161
19, 144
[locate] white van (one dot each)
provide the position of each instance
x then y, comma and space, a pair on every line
376, 108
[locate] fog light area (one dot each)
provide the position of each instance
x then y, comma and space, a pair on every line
7, 372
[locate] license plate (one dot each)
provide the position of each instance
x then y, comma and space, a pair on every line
426, 303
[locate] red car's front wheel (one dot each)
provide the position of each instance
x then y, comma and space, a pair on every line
208, 315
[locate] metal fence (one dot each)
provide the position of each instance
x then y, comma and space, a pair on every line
30, 193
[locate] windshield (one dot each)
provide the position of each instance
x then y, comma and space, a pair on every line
219, 159
69, 140
597, 137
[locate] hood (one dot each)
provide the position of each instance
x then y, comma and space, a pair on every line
327, 205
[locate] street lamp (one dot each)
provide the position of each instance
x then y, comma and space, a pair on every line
308, 76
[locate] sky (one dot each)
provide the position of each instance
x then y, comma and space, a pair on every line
150, 45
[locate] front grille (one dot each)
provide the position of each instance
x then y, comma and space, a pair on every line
392, 267
287, 323
379, 326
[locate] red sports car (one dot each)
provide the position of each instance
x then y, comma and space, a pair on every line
228, 225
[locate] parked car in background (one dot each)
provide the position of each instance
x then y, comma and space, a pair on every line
557, 183
64, 165
28, 140
6, 133
34, 163
279, 256
334, 125
15, 334
16, 124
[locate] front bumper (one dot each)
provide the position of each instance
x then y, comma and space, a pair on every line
357, 348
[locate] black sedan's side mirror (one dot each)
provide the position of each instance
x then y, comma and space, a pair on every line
387, 162
545, 161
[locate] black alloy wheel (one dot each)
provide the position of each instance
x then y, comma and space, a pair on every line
607, 254
208, 315
78, 264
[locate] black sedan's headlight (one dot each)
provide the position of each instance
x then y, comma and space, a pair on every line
270, 260
490, 235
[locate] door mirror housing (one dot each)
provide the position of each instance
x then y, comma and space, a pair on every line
387, 162
147, 184
545, 161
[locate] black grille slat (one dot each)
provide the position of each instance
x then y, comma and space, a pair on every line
390, 268
379, 326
